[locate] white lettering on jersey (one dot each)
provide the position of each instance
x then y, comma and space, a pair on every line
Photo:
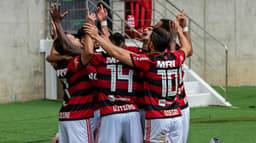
92, 76
64, 115
165, 64
112, 98
140, 58
123, 108
171, 112
111, 60
62, 72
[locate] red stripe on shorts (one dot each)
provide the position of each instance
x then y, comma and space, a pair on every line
98, 132
148, 130
89, 134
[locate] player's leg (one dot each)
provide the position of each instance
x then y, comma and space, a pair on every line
185, 123
175, 130
132, 131
156, 130
110, 129
78, 131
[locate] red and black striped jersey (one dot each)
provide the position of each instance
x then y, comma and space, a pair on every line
116, 84
161, 78
139, 98
78, 89
183, 100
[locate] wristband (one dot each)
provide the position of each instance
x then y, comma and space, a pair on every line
104, 23
185, 29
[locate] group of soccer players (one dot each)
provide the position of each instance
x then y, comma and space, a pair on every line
139, 93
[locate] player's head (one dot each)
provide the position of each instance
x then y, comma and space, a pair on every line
117, 39
164, 23
58, 46
159, 40
147, 32
80, 35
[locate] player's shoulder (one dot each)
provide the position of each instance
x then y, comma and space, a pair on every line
133, 49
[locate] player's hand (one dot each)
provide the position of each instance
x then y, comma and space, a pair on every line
91, 29
54, 31
176, 25
102, 13
181, 18
91, 18
56, 14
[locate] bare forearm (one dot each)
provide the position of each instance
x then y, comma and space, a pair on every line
186, 34
69, 48
184, 43
105, 31
114, 51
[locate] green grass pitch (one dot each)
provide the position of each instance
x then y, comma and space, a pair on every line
37, 121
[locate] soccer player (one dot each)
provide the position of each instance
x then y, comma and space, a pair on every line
77, 108
160, 70
183, 101
116, 86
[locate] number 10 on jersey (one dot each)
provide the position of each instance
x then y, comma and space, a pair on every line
169, 77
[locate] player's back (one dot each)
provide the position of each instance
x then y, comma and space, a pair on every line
116, 84
78, 89
161, 77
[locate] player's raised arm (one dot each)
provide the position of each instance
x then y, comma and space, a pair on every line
66, 43
186, 47
114, 51
54, 54
181, 18
87, 40
102, 15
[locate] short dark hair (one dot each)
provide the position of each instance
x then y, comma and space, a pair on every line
80, 33
160, 39
165, 24
58, 47
117, 38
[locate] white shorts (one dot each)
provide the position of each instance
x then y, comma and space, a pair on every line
163, 130
120, 126
95, 122
185, 123
75, 131
142, 119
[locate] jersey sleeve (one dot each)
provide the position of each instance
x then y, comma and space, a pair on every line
140, 61
180, 56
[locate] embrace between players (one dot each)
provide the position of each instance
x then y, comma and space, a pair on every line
121, 93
